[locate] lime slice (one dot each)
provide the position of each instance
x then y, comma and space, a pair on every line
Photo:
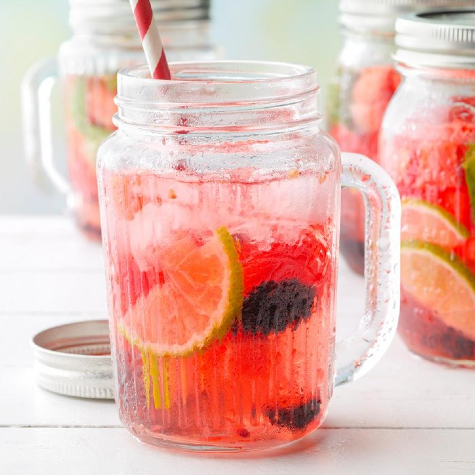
440, 282
469, 167
93, 135
426, 222
201, 296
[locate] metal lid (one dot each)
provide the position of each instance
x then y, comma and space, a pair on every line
381, 15
99, 15
75, 360
438, 39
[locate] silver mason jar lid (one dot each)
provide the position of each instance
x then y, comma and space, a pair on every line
444, 39
75, 360
381, 15
98, 15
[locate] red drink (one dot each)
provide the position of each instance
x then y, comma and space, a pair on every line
431, 162
260, 376
430, 153
89, 111
428, 147
220, 206
366, 83
360, 102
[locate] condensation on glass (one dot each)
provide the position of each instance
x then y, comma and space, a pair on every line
220, 207
365, 81
428, 147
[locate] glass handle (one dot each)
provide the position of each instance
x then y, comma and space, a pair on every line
359, 352
36, 92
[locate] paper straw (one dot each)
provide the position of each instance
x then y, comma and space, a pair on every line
151, 42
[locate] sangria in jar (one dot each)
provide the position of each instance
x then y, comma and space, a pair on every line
428, 147
365, 82
105, 40
220, 207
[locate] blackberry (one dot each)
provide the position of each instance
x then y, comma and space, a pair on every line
453, 342
272, 306
425, 333
296, 417
243, 433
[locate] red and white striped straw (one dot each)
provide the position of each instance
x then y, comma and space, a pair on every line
151, 42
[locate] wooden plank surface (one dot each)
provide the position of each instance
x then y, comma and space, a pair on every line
76, 451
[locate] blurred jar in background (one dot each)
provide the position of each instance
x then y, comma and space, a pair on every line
365, 82
104, 40
428, 147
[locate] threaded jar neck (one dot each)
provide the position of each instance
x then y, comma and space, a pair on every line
219, 97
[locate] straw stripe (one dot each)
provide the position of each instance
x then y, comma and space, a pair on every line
151, 42
143, 16
162, 70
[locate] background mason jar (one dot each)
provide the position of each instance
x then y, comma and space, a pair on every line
104, 40
365, 82
428, 147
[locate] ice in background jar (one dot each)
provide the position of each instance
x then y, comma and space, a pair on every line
220, 224
105, 39
428, 147
365, 83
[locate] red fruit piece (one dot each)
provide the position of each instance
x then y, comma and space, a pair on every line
457, 202
463, 109
100, 106
467, 253
82, 174
126, 195
356, 142
419, 163
371, 94
306, 260
132, 282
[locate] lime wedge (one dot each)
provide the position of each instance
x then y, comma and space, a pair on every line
469, 167
197, 303
93, 135
426, 222
440, 281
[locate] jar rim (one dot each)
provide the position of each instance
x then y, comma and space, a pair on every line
221, 81
219, 97
112, 15
440, 39
380, 16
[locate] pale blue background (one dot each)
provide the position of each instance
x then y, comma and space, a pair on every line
299, 31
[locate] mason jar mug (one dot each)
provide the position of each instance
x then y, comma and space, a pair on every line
105, 40
220, 211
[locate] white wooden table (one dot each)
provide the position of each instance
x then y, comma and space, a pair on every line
407, 416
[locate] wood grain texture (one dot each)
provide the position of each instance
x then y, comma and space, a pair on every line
56, 451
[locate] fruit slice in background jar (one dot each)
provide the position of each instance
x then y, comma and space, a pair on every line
431, 223
358, 101
370, 96
90, 106
469, 167
439, 281
100, 105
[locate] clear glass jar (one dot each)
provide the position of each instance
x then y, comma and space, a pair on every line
105, 40
428, 147
365, 82
222, 303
